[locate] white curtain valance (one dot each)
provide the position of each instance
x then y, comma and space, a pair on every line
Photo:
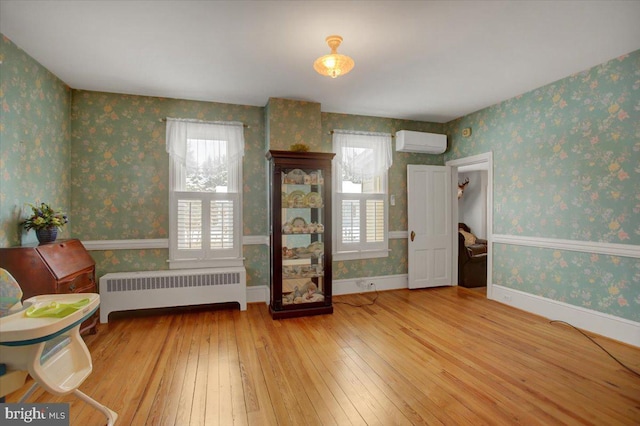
363, 154
179, 131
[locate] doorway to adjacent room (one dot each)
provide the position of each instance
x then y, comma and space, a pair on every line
477, 209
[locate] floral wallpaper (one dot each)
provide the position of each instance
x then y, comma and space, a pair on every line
566, 166
34, 142
565, 155
120, 172
120, 169
290, 122
600, 282
108, 261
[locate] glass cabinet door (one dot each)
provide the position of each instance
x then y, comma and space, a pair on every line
303, 236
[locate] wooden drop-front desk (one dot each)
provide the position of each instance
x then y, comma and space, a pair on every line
63, 266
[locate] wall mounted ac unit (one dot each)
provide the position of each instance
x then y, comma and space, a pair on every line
425, 143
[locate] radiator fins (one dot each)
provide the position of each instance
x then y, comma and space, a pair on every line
165, 282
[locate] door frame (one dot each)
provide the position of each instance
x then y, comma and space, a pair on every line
480, 161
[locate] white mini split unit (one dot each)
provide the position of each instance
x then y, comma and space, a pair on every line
425, 143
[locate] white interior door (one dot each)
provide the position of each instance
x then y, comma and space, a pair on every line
429, 196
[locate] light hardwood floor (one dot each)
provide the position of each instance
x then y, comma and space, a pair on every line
438, 356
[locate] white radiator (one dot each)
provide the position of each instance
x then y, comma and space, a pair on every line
126, 291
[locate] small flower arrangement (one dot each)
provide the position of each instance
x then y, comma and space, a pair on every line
299, 147
44, 217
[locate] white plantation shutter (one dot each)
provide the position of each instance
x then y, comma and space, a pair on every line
202, 214
375, 221
222, 224
360, 190
350, 221
189, 235
205, 194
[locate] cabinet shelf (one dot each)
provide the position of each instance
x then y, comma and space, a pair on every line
300, 216
287, 234
300, 208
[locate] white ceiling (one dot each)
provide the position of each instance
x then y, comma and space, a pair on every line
420, 60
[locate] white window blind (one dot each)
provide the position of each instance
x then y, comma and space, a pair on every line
350, 221
222, 224
189, 235
360, 191
205, 193
375, 221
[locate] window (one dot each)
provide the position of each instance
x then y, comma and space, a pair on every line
360, 173
205, 194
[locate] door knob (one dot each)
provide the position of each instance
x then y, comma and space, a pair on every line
413, 235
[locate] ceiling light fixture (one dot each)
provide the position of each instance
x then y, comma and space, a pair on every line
333, 64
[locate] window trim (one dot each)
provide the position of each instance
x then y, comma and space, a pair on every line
206, 257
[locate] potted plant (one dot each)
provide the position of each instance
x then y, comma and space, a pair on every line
45, 221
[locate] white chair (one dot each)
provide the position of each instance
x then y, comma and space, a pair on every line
48, 348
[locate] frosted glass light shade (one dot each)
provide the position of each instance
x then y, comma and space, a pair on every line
333, 64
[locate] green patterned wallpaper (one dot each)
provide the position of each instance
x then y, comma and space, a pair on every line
396, 263
34, 142
594, 281
566, 156
290, 122
121, 171
566, 166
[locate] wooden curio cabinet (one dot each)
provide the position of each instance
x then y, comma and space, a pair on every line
300, 233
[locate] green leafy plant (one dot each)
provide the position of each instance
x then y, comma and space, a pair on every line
44, 217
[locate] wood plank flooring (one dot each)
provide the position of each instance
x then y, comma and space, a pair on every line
445, 356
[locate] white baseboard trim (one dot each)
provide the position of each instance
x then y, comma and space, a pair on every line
361, 285
258, 294
624, 250
600, 323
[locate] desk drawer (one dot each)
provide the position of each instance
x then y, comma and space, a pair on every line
82, 283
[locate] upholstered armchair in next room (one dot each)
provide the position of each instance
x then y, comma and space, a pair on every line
472, 258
